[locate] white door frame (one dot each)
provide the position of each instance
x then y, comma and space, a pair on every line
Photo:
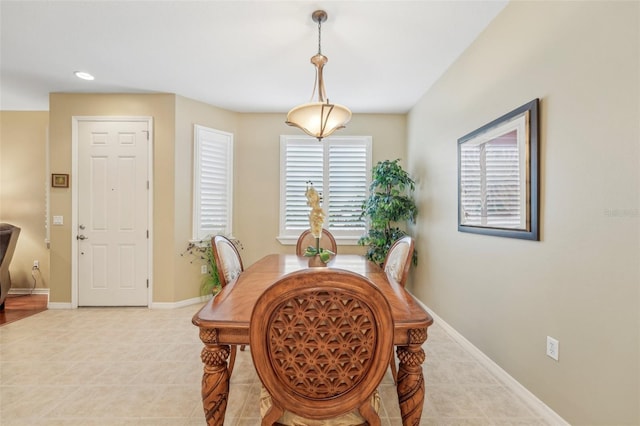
75, 206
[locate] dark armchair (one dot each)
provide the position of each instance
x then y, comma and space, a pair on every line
8, 239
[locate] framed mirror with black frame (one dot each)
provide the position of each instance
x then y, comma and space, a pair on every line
498, 172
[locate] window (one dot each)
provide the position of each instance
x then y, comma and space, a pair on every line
491, 183
339, 168
212, 184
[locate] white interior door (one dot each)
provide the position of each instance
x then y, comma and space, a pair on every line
113, 213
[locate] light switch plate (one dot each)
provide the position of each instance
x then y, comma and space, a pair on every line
58, 220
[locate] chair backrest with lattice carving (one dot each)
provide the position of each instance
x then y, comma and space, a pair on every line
228, 260
321, 341
306, 239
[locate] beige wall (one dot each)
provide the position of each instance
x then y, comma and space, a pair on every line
257, 174
162, 108
256, 182
23, 183
189, 113
580, 283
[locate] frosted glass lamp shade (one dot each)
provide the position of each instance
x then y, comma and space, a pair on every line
319, 119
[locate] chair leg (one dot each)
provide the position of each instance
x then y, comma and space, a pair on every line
232, 359
394, 371
369, 414
243, 347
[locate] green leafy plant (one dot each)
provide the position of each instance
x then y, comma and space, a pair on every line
389, 203
201, 251
323, 253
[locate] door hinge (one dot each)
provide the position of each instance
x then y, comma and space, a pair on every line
147, 282
147, 184
147, 133
147, 234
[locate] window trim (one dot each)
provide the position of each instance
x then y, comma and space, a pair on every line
342, 237
227, 139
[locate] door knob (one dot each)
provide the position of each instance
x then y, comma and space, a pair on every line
81, 237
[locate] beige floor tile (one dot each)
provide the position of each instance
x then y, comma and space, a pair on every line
467, 372
237, 398
134, 366
389, 399
497, 402
530, 421
458, 421
31, 402
453, 401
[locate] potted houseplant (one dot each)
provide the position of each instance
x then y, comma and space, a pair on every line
319, 256
203, 252
389, 203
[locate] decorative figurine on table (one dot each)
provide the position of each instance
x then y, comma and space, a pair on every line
316, 219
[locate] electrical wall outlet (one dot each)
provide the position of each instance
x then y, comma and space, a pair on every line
203, 269
553, 347
36, 264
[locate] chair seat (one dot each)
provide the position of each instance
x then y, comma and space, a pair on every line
352, 418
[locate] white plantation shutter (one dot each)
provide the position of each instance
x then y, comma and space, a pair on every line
213, 175
349, 165
503, 185
491, 178
339, 169
303, 162
471, 199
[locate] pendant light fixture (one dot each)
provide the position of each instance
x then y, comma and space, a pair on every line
321, 118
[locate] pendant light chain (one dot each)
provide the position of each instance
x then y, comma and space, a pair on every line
319, 118
319, 36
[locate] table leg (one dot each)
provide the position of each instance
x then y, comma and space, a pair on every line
215, 379
410, 383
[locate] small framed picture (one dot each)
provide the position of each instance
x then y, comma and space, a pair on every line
59, 180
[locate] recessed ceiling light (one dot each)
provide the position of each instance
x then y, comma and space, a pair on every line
84, 75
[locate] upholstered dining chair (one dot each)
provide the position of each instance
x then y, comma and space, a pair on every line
8, 240
229, 264
306, 239
320, 342
396, 265
398, 260
228, 260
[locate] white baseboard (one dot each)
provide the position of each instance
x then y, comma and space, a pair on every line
154, 305
21, 290
179, 304
507, 380
59, 305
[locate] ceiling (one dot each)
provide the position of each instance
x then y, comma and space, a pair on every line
245, 56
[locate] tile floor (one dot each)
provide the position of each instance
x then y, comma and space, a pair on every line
134, 366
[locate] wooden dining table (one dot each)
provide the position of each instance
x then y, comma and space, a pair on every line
224, 321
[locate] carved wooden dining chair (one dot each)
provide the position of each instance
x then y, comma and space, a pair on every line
229, 264
306, 239
228, 260
320, 342
396, 265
